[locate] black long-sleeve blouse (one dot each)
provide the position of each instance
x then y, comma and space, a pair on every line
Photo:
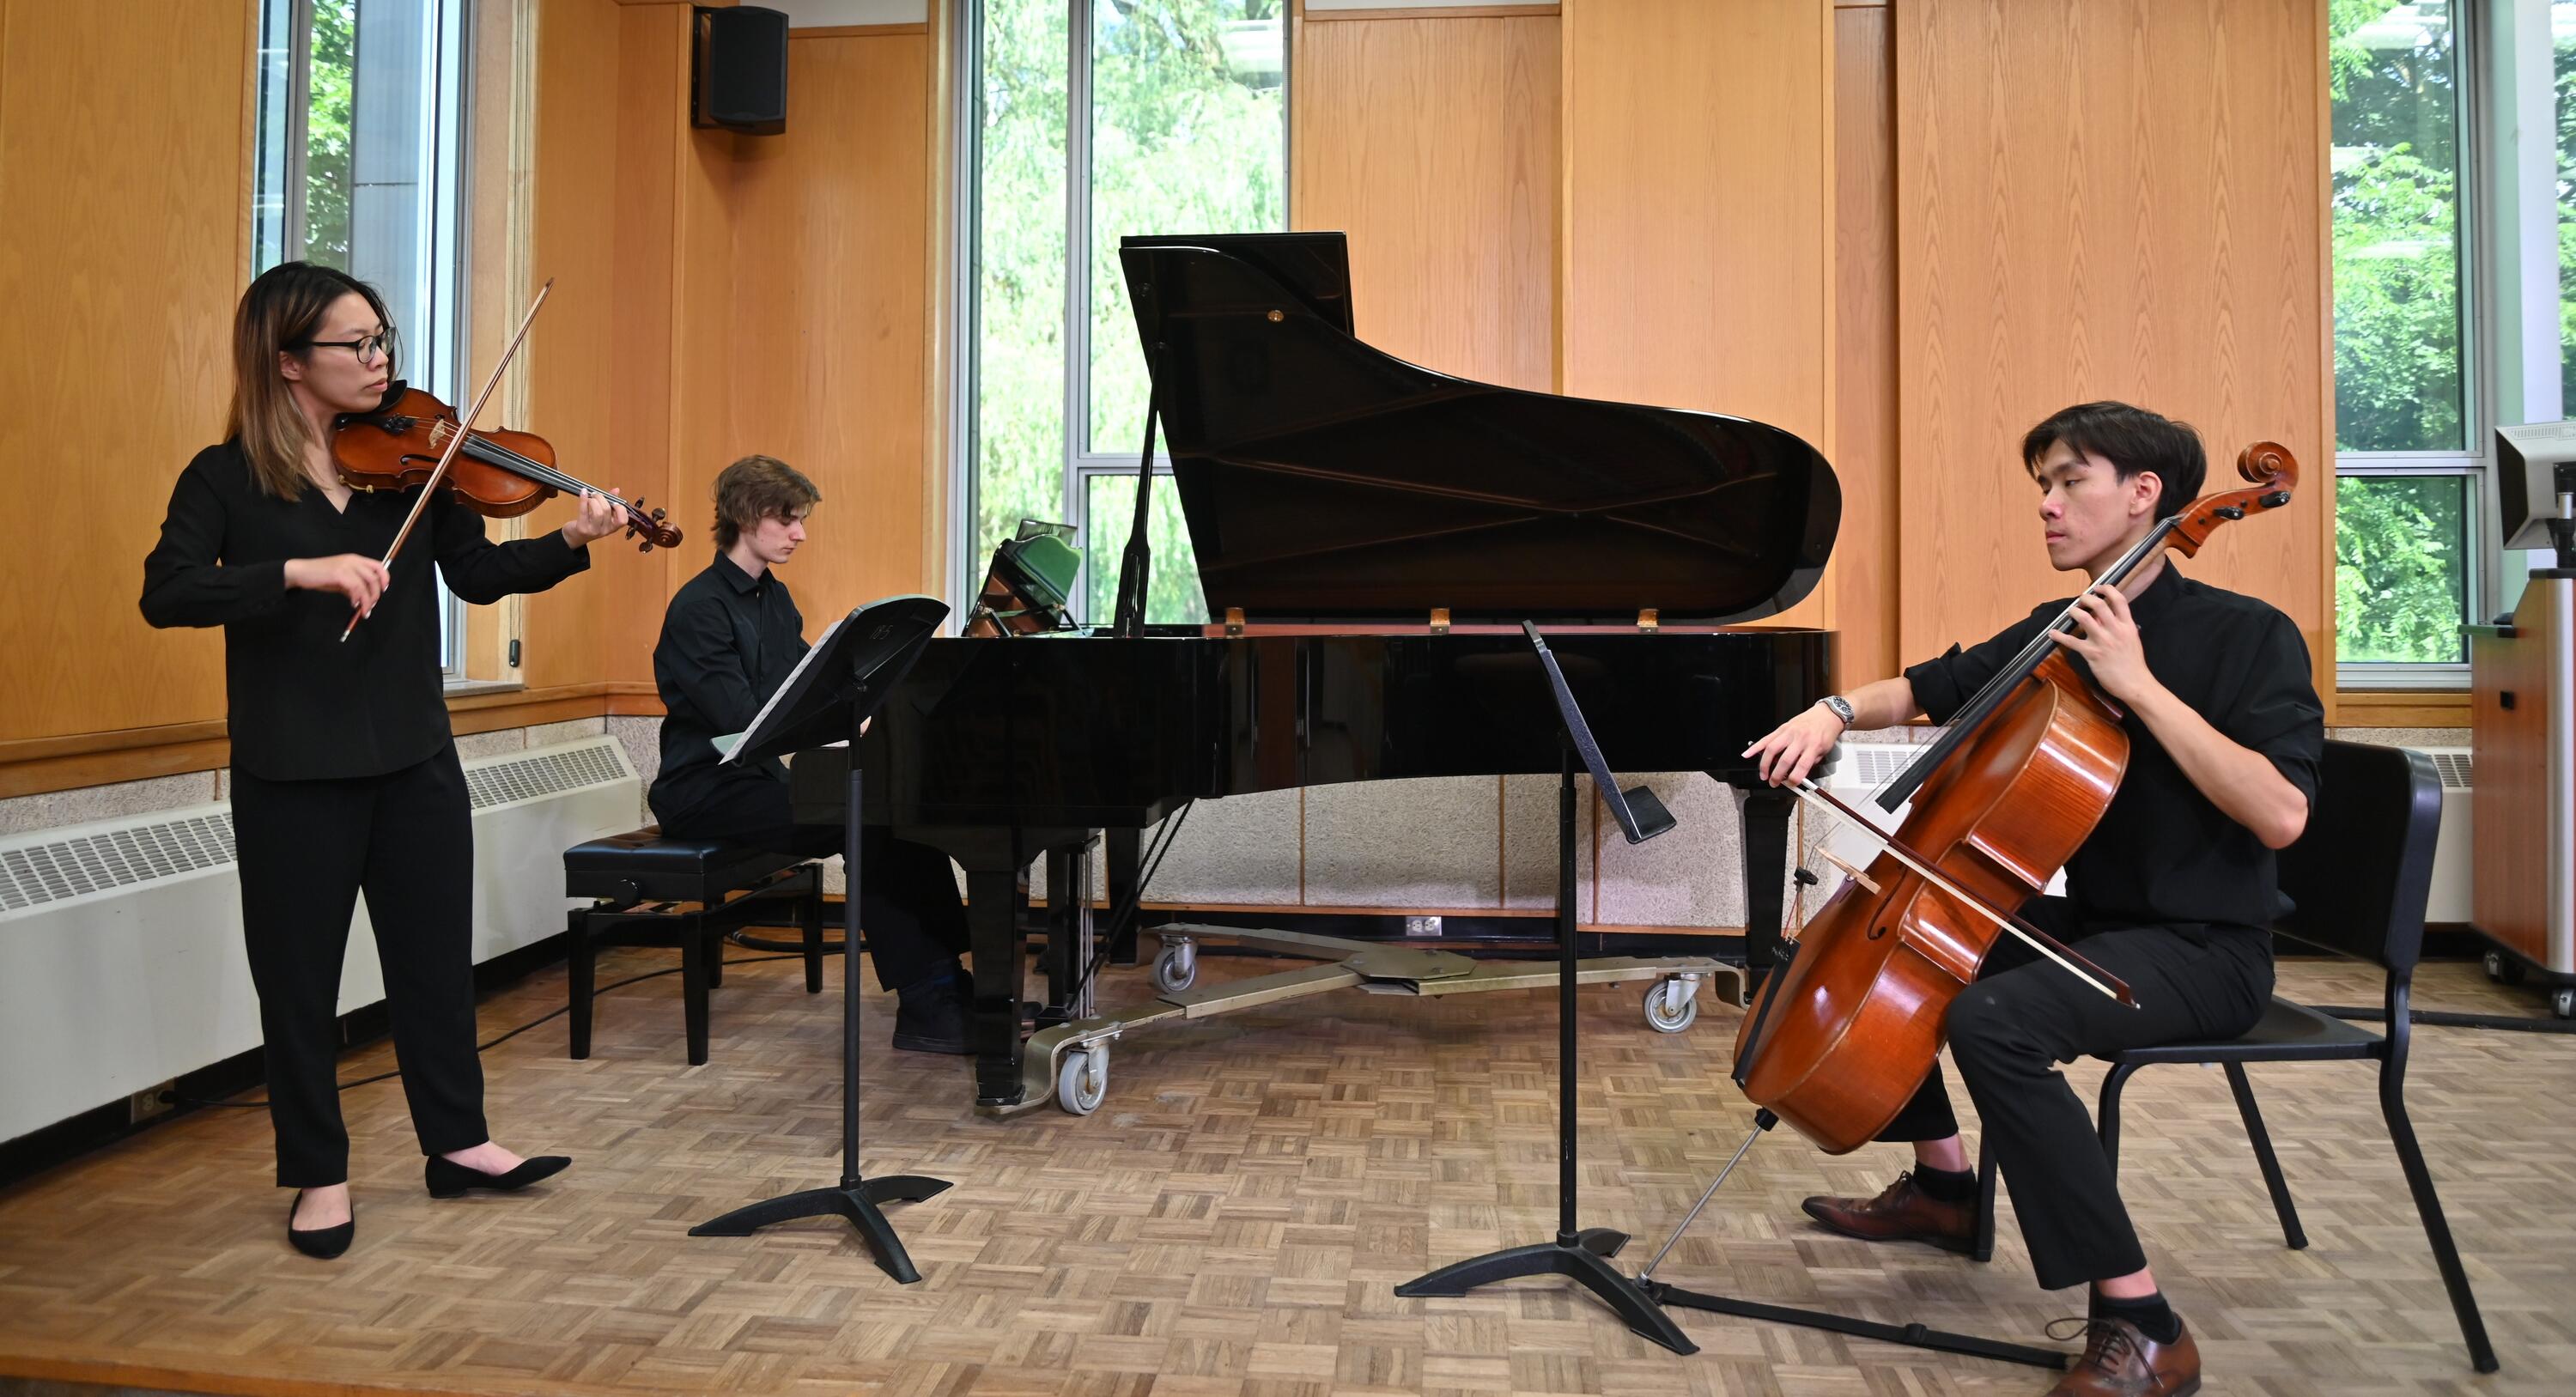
303, 705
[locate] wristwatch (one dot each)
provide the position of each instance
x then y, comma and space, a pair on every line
1841, 708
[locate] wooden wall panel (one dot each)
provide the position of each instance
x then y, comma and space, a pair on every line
1698, 213
829, 315
2146, 223
124, 170
1433, 143
577, 364
1861, 583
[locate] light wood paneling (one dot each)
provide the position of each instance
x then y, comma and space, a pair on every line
2108, 200
829, 315
1432, 142
1698, 214
1861, 583
577, 365
123, 169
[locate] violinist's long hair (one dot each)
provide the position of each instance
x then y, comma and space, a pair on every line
279, 315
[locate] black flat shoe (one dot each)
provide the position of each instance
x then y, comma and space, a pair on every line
448, 1179
320, 1243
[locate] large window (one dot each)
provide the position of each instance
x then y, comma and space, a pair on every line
2409, 435
2449, 317
361, 120
1092, 120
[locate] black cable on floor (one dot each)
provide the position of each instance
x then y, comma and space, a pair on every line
2443, 1018
171, 1098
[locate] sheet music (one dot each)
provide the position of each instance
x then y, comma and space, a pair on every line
731, 743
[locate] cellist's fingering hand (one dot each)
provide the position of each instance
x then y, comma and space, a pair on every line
598, 518
1790, 749
2109, 644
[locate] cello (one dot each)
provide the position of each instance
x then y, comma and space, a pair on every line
1839, 1039
1840, 1035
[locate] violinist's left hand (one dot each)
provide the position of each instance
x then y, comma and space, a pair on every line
598, 518
2109, 644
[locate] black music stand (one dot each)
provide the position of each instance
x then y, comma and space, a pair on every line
830, 694
1581, 1253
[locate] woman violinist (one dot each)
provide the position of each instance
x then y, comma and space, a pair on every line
2172, 892
345, 777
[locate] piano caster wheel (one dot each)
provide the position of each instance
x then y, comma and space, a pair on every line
1176, 966
1672, 1006
1082, 1080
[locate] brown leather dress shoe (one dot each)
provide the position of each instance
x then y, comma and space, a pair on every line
2121, 1361
1902, 1212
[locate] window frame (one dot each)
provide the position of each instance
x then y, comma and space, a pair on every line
441, 341
1082, 462
2511, 286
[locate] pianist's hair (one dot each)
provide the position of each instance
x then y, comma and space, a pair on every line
280, 314
753, 489
2132, 439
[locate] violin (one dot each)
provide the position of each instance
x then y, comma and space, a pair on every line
1840, 1036
499, 474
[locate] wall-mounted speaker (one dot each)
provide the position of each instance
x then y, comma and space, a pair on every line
739, 78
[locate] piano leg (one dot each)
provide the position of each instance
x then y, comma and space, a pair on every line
1766, 866
1125, 853
993, 931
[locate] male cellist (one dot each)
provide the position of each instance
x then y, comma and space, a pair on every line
2172, 892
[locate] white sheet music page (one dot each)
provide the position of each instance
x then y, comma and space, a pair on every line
731, 743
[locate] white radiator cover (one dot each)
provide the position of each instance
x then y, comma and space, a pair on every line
121, 961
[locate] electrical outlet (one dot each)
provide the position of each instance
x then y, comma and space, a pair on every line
147, 1103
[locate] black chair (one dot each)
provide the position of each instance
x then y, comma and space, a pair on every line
2359, 876
689, 893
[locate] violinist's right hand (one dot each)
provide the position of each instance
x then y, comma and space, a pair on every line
359, 578
1794, 746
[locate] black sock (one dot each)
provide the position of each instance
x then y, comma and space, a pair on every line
2149, 1312
1946, 1185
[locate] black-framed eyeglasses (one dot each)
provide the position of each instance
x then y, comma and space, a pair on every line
365, 348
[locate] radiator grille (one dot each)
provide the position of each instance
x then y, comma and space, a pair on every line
543, 774
47, 869
116, 858
1866, 766
2454, 767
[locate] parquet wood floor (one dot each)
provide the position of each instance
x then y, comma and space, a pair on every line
1232, 1221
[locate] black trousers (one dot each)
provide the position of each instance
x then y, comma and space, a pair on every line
909, 912
306, 849
2024, 1016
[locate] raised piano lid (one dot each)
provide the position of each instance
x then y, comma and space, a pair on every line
1326, 481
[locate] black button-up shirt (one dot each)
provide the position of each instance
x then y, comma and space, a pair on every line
2163, 854
304, 706
727, 643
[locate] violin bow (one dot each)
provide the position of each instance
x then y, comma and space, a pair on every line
2038, 940
464, 429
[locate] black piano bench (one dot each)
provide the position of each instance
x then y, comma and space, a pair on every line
646, 890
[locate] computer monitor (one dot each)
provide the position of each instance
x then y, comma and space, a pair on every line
2535, 465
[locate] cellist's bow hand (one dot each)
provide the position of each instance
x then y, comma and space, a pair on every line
600, 516
1789, 751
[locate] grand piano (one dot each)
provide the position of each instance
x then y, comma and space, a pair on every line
1369, 535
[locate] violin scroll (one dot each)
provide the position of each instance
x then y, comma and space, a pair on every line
651, 526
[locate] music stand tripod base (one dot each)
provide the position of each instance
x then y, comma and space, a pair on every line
835, 687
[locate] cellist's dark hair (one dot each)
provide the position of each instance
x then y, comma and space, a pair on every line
2132, 439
